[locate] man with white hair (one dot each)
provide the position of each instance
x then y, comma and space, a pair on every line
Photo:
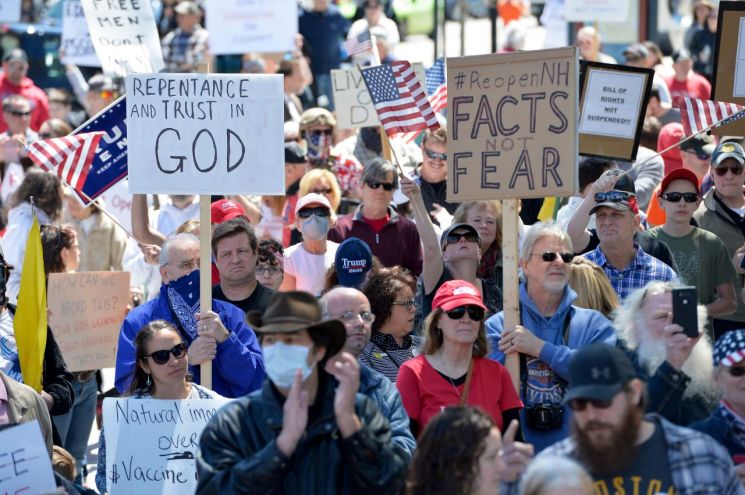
677, 368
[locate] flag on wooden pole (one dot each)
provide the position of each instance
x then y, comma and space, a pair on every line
69, 157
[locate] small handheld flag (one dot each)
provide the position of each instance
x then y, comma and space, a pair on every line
69, 157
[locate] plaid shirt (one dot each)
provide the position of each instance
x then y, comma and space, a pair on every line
182, 51
642, 269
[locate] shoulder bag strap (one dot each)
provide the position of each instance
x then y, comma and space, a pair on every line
467, 386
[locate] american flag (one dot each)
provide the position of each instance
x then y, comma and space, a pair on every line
730, 348
438, 101
698, 115
359, 44
69, 157
434, 77
398, 98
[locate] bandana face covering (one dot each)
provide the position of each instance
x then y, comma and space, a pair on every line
183, 297
319, 145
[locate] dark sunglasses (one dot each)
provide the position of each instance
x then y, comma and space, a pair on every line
433, 155
613, 196
550, 256
454, 238
326, 190
474, 312
581, 404
736, 372
163, 356
373, 184
20, 114
319, 211
328, 132
722, 171
675, 197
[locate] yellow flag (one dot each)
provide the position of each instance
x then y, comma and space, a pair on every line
549, 209
30, 321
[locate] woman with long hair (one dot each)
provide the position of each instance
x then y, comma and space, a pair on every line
592, 286
486, 218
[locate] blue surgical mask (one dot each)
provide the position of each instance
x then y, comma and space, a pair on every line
315, 228
281, 361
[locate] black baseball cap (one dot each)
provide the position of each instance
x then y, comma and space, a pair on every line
726, 150
598, 372
465, 226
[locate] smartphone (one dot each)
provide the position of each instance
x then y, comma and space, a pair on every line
685, 310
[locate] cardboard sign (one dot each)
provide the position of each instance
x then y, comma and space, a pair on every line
728, 81
151, 445
354, 108
206, 134
87, 310
125, 36
25, 464
512, 125
77, 47
261, 26
10, 10
613, 100
596, 10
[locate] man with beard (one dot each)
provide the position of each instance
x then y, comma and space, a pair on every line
627, 452
676, 368
351, 307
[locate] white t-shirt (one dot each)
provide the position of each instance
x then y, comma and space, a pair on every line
309, 269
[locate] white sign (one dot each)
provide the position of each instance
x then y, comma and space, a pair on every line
25, 463
118, 202
240, 26
739, 84
612, 104
125, 36
205, 134
151, 445
10, 10
596, 10
76, 45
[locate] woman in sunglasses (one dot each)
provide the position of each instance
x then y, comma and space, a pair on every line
391, 295
161, 372
453, 368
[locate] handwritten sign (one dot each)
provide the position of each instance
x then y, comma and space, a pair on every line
263, 26
124, 35
512, 125
118, 202
596, 11
76, 45
205, 133
87, 310
25, 465
10, 10
151, 445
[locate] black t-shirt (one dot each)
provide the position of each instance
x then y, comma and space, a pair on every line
436, 192
649, 245
650, 472
258, 300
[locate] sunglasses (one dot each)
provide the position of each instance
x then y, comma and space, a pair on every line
736, 372
20, 114
675, 197
433, 155
475, 313
613, 196
406, 304
581, 404
550, 256
326, 190
722, 171
163, 356
319, 211
373, 184
327, 132
454, 238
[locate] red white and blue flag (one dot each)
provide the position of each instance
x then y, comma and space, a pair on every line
358, 44
698, 115
69, 157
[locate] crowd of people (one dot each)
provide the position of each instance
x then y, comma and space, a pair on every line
358, 320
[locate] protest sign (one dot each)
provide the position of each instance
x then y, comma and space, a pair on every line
118, 202
596, 11
151, 445
76, 45
613, 99
124, 35
512, 125
25, 464
86, 310
10, 10
354, 108
728, 81
205, 133
258, 26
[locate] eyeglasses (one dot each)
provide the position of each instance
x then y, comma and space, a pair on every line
675, 197
613, 196
326, 190
373, 184
736, 372
351, 316
433, 155
267, 270
581, 404
163, 356
45, 135
319, 211
475, 313
406, 304
455, 237
327, 132
735, 169
18, 113
550, 256
187, 264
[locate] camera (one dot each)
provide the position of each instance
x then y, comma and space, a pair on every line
544, 417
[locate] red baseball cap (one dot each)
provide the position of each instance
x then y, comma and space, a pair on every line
456, 293
224, 210
679, 173
669, 135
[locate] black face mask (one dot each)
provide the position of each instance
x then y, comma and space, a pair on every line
371, 138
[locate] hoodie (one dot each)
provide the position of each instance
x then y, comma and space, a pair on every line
35, 96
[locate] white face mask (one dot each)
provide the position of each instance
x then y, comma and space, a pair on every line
315, 228
281, 361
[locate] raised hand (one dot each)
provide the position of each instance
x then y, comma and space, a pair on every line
515, 455
294, 416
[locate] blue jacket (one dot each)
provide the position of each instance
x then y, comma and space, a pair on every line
720, 430
585, 327
324, 32
385, 395
238, 368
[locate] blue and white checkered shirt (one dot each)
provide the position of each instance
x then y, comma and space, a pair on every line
642, 270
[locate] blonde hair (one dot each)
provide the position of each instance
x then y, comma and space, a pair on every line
494, 205
549, 472
318, 174
433, 338
63, 463
592, 286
